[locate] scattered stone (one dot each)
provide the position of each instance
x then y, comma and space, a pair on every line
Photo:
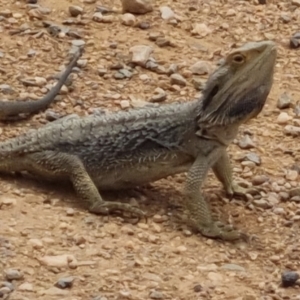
75, 10
144, 25
25, 287
104, 10
215, 277
155, 67
198, 84
36, 243
122, 74
160, 95
51, 115
285, 18
289, 278
102, 72
6, 89
140, 54
284, 196
140, 103
156, 295
153, 36
65, 282
284, 101
117, 66
13, 274
5, 289
178, 79
245, 142
163, 42
180, 249
108, 19
259, 179
297, 109
70, 212
128, 19
113, 45
98, 17
284, 118
295, 41
54, 291
253, 157
6, 13
78, 43
99, 298
166, 13
198, 288
37, 13
296, 3
200, 68
233, 267
124, 104
36, 81
201, 29
81, 63
31, 53
125, 295
7, 201
262, 203
291, 175
59, 261
172, 69
292, 130
8, 285
137, 6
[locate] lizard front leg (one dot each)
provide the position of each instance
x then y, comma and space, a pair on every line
223, 171
200, 217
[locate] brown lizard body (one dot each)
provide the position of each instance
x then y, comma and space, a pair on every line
126, 149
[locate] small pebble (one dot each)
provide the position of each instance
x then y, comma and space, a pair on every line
283, 118
289, 278
13, 274
156, 295
246, 143
198, 288
178, 79
66, 282
284, 101
75, 10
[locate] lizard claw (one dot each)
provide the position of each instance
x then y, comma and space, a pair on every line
238, 190
106, 207
218, 230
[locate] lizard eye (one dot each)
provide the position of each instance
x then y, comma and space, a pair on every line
238, 58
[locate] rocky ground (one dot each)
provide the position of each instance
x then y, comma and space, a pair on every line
52, 248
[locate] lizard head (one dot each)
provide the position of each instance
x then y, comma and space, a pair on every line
237, 90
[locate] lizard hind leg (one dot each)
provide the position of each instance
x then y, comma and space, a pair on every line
59, 165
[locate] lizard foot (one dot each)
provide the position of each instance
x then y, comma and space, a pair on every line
105, 207
221, 231
241, 191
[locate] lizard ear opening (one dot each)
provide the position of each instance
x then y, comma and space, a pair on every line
210, 94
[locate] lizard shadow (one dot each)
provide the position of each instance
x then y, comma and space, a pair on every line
162, 198
156, 198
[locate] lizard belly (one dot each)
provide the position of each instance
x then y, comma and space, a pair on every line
140, 173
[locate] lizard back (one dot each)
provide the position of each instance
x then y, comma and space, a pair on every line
115, 135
